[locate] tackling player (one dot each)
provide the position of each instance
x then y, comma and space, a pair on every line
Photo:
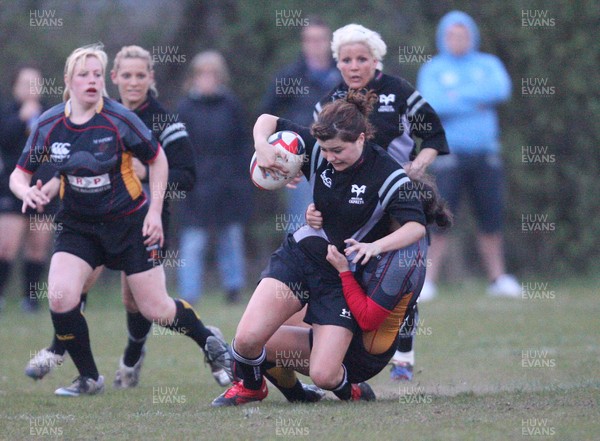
401, 113
361, 191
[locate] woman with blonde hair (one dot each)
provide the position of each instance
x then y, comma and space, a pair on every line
400, 115
105, 216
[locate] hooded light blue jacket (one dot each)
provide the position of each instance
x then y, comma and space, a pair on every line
464, 90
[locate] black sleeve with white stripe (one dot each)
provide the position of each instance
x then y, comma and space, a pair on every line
424, 123
318, 108
334, 94
176, 143
404, 203
397, 199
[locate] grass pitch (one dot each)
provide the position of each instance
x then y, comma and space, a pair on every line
487, 369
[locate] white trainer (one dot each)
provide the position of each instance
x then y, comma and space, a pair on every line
505, 286
218, 357
125, 376
82, 386
428, 292
42, 363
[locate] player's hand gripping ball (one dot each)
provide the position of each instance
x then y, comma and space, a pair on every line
291, 147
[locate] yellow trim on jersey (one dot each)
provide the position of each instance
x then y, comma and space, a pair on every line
378, 341
130, 179
68, 107
61, 191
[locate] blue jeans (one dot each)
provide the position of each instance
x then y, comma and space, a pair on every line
230, 259
481, 177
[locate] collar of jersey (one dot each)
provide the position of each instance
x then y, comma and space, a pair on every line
142, 106
376, 78
98, 107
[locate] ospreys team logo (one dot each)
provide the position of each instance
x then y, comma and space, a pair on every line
385, 101
358, 190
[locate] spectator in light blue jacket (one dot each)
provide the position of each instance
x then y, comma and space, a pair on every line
464, 86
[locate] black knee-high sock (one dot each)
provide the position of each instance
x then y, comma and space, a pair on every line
405, 343
250, 368
57, 346
286, 381
5, 267
407, 331
188, 323
72, 330
138, 327
83, 303
32, 273
343, 390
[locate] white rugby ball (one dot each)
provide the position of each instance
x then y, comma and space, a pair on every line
291, 146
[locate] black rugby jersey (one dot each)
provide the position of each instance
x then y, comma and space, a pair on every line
13, 136
361, 201
94, 159
400, 113
175, 141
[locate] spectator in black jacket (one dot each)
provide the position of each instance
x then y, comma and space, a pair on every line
293, 93
32, 231
220, 203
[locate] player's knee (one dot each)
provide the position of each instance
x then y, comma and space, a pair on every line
89, 283
36, 254
325, 378
62, 299
127, 298
248, 344
7, 254
158, 310
153, 314
130, 305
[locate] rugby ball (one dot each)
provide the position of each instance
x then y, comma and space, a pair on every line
291, 146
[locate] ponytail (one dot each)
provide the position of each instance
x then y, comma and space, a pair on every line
346, 118
435, 208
